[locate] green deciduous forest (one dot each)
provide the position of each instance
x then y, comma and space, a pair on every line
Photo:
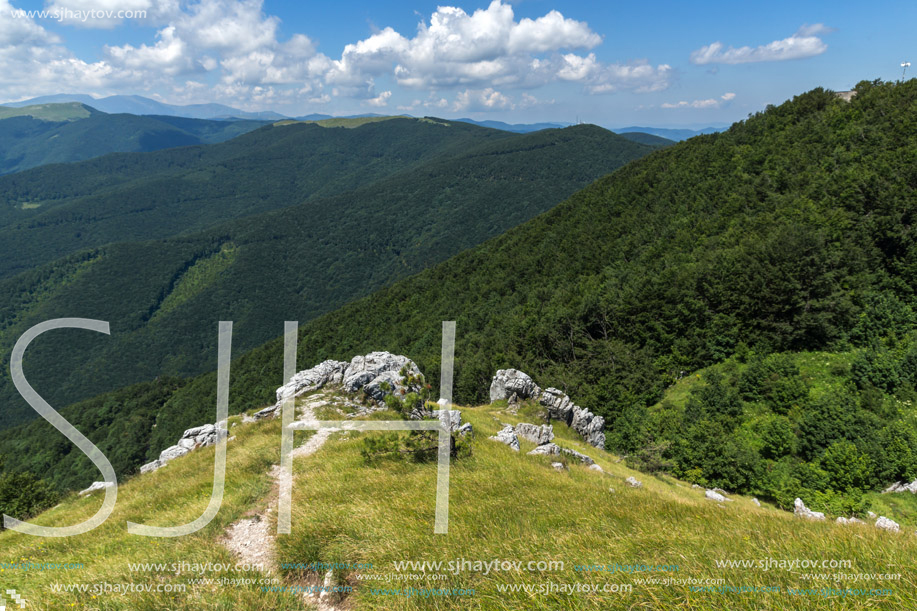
162, 298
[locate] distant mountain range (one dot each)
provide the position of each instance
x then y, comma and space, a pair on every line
669, 133
519, 128
32, 136
139, 105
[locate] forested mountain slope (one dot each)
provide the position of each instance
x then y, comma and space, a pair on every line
163, 298
50, 212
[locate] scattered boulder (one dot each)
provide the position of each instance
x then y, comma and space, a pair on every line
96, 486
536, 434
871, 514
465, 429
696, 487
802, 511
558, 466
713, 495
887, 524
633, 482
596, 467
552, 449
756, 502
508, 436
510, 381
547, 449
843, 520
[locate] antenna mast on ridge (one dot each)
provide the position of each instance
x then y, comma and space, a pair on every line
905, 66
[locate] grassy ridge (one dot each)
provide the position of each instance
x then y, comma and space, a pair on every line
503, 506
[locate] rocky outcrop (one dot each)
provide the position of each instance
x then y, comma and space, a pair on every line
887, 524
377, 374
581, 420
552, 449
800, 509
510, 382
192, 439
536, 434
902, 487
508, 436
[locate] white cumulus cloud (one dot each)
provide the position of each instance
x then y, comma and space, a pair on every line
707, 103
804, 43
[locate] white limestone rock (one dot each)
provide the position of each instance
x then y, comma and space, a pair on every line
713, 495
96, 486
800, 509
509, 381
536, 434
887, 524
508, 436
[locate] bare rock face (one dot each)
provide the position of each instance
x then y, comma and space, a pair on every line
511, 381
800, 509
536, 434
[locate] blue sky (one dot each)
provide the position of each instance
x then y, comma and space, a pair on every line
610, 63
